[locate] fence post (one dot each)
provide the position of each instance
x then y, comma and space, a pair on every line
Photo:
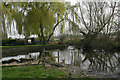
58, 57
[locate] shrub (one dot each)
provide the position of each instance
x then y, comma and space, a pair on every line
103, 44
8, 42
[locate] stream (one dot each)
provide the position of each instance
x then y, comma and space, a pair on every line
98, 62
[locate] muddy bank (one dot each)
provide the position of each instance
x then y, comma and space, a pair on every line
29, 49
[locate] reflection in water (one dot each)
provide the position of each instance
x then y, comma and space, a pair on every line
97, 61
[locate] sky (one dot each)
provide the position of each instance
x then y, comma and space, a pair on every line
72, 1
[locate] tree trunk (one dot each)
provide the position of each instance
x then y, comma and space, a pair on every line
42, 35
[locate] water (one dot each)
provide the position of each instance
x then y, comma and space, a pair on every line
34, 55
98, 61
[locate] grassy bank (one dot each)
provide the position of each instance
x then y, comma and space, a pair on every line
39, 72
25, 49
32, 71
6, 47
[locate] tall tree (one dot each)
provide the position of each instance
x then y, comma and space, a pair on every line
92, 18
10, 13
95, 16
43, 18
40, 18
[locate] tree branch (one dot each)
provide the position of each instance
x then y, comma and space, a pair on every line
54, 29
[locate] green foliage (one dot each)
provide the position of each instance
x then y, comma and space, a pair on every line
41, 20
62, 27
33, 18
37, 17
18, 19
4, 33
9, 13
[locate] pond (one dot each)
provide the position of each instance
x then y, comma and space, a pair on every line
98, 62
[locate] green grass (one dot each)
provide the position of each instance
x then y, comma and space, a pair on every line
31, 71
36, 71
0, 72
25, 45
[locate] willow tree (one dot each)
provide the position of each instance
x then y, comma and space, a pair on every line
40, 18
5, 12
10, 13
43, 18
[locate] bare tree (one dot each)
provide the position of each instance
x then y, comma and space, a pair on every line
95, 17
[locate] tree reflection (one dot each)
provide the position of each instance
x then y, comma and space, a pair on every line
99, 61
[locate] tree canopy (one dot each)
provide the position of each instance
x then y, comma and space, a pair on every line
38, 18
93, 17
42, 18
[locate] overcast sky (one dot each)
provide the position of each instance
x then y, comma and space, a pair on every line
72, 1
